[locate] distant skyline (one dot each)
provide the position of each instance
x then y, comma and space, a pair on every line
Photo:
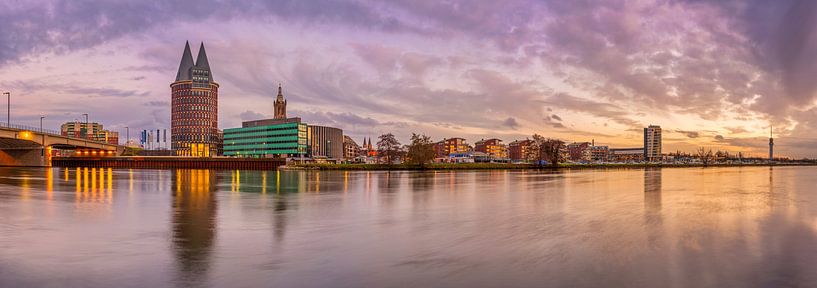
710, 73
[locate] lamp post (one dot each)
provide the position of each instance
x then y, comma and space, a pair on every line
86, 125
127, 136
8, 107
42, 152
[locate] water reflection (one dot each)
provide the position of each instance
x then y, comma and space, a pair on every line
194, 223
712, 227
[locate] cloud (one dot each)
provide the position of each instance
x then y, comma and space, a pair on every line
510, 122
157, 103
736, 130
251, 115
599, 109
689, 134
382, 65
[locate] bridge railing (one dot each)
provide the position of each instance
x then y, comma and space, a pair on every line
29, 128
42, 131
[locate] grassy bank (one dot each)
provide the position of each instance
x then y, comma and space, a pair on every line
494, 166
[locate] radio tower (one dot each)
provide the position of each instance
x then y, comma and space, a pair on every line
771, 145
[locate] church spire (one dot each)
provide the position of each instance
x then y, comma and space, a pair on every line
186, 64
280, 105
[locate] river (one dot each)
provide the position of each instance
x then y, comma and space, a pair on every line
674, 227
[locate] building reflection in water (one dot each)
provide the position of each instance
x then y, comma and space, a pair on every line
94, 185
653, 220
194, 223
652, 190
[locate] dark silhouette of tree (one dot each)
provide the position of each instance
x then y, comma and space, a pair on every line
421, 150
388, 147
706, 156
548, 149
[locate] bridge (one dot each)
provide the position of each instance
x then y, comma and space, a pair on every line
28, 146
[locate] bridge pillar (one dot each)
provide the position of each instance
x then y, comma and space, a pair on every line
38, 157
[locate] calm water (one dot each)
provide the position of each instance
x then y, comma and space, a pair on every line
715, 227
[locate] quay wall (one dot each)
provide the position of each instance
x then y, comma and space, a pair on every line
160, 162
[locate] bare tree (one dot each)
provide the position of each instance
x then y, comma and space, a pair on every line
706, 156
388, 147
548, 149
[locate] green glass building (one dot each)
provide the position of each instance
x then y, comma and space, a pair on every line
267, 138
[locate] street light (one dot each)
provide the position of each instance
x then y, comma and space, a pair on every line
42, 151
8, 107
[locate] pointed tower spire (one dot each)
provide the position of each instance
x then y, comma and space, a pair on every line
186, 64
280, 105
202, 63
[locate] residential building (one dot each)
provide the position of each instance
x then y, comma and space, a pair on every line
494, 148
626, 155
579, 151
350, 148
194, 107
450, 146
652, 143
599, 153
521, 150
325, 142
91, 131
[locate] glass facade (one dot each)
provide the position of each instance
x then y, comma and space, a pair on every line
283, 140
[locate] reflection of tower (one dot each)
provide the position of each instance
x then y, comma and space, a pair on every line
653, 222
771, 145
194, 213
652, 189
280, 105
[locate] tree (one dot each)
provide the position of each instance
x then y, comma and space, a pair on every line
421, 150
548, 149
387, 147
706, 156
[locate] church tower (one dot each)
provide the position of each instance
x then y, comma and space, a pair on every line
280, 105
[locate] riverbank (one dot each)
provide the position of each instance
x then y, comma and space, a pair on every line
498, 166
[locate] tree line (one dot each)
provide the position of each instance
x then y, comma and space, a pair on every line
543, 151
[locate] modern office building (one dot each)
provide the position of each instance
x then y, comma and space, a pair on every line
493, 147
450, 146
194, 107
652, 143
521, 150
92, 131
325, 142
267, 138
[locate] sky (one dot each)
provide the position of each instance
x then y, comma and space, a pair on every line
715, 74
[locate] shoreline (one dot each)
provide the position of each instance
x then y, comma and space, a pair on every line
496, 166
